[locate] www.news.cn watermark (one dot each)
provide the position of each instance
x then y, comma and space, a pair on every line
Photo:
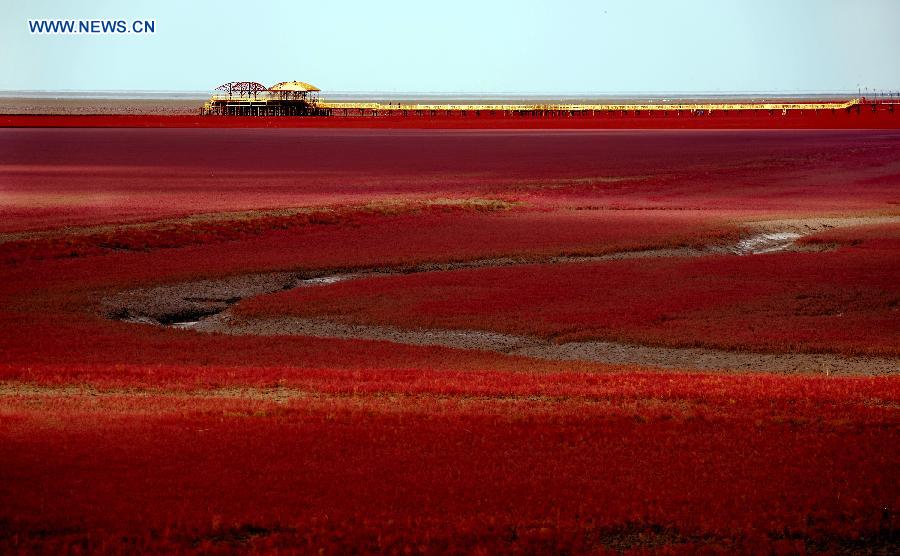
91, 26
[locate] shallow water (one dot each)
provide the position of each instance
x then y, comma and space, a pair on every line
765, 243
325, 280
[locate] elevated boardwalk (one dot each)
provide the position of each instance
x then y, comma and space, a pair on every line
229, 105
299, 98
655, 107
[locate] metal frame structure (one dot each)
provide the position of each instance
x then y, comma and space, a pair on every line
242, 88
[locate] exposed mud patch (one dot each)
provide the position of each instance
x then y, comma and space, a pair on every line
714, 359
187, 303
781, 235
807, 226
203, 306
146, 309
192, 301
612, 353
227, 323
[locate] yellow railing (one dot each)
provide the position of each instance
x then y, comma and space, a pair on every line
590, 107
650, 107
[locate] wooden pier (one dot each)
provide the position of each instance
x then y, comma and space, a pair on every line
296, 98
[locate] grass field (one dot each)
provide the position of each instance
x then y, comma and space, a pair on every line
239, 340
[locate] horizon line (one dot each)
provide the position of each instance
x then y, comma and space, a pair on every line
458, 92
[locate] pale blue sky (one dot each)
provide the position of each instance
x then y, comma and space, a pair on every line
463, 45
